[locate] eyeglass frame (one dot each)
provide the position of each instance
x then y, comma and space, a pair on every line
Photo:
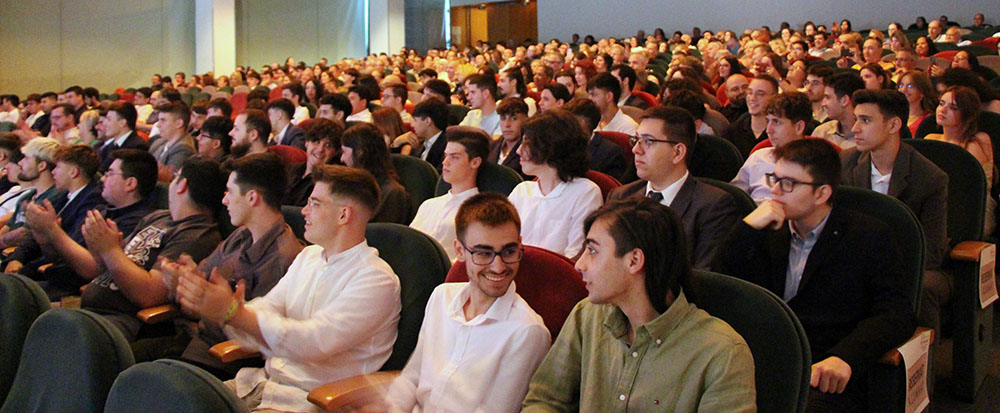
647, 142
770, 179
494, 254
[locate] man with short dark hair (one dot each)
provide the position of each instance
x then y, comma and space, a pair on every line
465, 152
605, 156
359, 96
75, 98
662, 147
513, 114
143, 106
628, 78
249, 133
119, 130
175, 145
8, 108
308, 326
636, 336
214, 140
751, 128
605, 91
394, 96
63, 123
220, 107
295, 94
787, 116
840, 271
883, 163
815, 88
840, 109
481, 92
284, 131
553, 96
125, 272
437, 89
480, 341
334, 107
430, 119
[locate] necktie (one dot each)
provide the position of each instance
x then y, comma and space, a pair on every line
656, 196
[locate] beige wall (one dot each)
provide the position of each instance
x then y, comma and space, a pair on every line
269, 31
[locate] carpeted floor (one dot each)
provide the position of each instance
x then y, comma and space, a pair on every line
988, 397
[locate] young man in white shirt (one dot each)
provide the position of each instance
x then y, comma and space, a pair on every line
295, 93
787, 115
481, 92
605, 90
8, 109
63, 125
394, 96
465, 152
359, 98
480, 342
309, 327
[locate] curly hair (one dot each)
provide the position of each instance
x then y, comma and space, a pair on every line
370, 150
555, 138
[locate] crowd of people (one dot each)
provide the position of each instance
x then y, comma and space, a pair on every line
809, 108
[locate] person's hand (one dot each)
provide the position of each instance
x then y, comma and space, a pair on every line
171, 271
208, 299
830, 375
770, 214
101, 234
935, 70
42, 219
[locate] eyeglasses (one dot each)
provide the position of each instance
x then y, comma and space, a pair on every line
485, 257
785, 184
909, 86
647, 141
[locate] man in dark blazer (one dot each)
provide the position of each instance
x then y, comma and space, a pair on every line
174, 146
513, 113
901, 172
665, 137
280, 113
605, 156
430, 119
119, 132
838, 270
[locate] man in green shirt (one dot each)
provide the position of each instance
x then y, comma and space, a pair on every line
636, 343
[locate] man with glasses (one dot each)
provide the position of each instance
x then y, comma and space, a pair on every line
480, 342
662, 146
786, 118
906, 61
840, 271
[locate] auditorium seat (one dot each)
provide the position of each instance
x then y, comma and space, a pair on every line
714, 157
744, 203
622, 140
417, 176
606, 182
490, 178
170, 386
21, 302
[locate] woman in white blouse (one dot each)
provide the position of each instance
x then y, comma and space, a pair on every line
553, 207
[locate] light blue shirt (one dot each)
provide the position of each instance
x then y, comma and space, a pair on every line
798, 254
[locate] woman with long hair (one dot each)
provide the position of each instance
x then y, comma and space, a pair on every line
920, 95
363, 146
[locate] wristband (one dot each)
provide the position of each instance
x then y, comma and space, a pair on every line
233, 307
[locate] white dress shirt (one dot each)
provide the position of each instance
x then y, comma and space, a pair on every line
301, 114
751, 179
326, 320
13, 116
436, 217
880, 182
363, 116
143, 112
670, 192
555, 221
406, 117
489, 123
478, 365
620, 123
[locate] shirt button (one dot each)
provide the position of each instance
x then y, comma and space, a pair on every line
622, 397
658, 341
635, 354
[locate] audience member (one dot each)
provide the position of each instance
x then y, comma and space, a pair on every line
250, 132
839, 107
605, 91
362, 147
503, 151
174, 146
751, 128
322, 148
605, 156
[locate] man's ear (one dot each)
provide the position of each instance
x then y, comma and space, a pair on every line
635, 261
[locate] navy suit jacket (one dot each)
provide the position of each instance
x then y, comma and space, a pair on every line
606, 157
435, 154
294, 136
133, 141
512, 161
72, 214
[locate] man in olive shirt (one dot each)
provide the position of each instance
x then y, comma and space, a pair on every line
636, 343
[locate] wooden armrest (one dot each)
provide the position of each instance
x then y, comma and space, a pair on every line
154, 315
894, 357
44, 267
83, 288
968, 250
230, 351
9, 250
353, 391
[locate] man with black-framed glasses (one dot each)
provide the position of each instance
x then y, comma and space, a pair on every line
662, 147
480, 342
840, 271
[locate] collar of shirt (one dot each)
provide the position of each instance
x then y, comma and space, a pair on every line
461, 196
498, 311
121, 139
258, 248
112, 212
659, 328
880, 182
670, 192
279, 135
345, 254
70, 196
429, 144
554, 193
811, 236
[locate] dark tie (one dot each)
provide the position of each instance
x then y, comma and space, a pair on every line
656, 196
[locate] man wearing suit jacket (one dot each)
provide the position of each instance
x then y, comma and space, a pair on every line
838, 270
605, 156
430, 119
174, 146
883, 163
666, 135
280, 113
513, 113
119, 130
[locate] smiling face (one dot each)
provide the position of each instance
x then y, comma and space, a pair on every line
491, 280
759, 95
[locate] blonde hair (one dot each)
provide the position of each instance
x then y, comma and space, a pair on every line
43, 149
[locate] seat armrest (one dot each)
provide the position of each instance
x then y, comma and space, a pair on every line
894, 357
230, 351
354, 391
44, 267
9, 250
969, 250
157, 314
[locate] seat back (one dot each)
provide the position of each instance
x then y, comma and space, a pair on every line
716, 158
21, 302
294, 218
7, 126
69, 361
632, 112
772, 331
606, 182
966, 188
490, 178
416, 175
622, 140
456, 113
289, 155
744, 203
239, 102
649, 99
170, 386
421, 264
546, 281
904, 224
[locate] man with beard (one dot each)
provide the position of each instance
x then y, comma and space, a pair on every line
250, 132
736, 90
